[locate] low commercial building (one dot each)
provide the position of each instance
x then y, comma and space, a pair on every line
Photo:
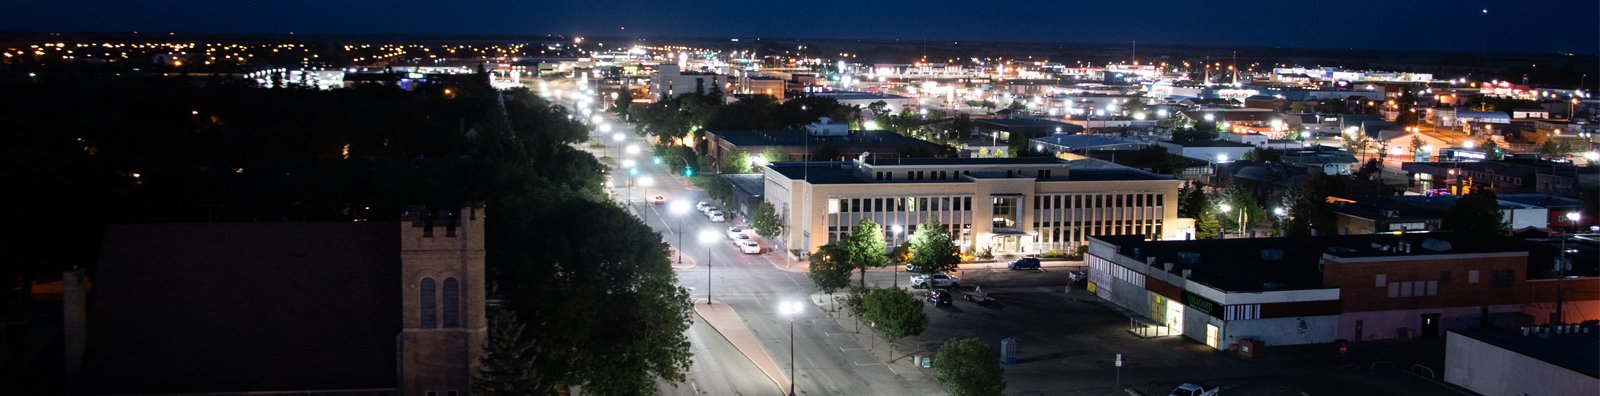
671, 81
1022, 128
1009, 205
1542, 361
894, 103
1060, 144
1214, 151
1289, 291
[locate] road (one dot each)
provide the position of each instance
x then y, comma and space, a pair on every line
825, 361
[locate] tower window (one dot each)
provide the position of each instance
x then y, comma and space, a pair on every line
430, 317
452, 303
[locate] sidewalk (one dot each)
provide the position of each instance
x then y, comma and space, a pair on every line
727, 322
900, 357
672, 255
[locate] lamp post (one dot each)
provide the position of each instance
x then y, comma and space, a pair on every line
896, 230
708, 237
1572, 220
790, 309
680, 207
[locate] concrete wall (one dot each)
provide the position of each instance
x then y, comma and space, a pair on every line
1284, 331
1385, 325
1491, 370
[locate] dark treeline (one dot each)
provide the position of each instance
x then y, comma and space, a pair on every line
85, 154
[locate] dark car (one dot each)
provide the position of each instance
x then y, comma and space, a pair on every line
1078, 277
939, 297
1029, 263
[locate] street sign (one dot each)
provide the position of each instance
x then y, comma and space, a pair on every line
1119, 360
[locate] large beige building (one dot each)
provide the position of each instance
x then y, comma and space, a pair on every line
1012, 205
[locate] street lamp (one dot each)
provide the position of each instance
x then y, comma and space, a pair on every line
679, 207
896, 230
708, 237
790, 310
1572, 218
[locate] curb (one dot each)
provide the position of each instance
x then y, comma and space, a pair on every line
779, 383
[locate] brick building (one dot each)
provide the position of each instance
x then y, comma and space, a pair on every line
1286, 291
270, 308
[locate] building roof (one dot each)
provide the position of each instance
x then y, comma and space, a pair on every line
1318, 155
1292, 263
1014, 124
848, 95
1577, 352
1235, 115
874, 161
867, 140
1083, 141
225, 307
1542, 200
1206, 143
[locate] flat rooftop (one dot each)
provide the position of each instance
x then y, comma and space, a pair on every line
1206, 143
1083, 141
798, 138
1577, 352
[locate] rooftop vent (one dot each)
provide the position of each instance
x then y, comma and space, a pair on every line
1437, 245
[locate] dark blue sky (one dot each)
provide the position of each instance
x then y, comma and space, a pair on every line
1450, 25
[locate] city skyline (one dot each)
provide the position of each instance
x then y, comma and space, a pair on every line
1484, 27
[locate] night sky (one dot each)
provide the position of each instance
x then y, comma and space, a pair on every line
1449, 25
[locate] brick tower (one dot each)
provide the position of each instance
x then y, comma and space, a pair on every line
443, 325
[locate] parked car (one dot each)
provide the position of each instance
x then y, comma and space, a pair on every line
938, 297
716, 216
739, 238
749, 247
702, 206
737, 233
1194, 390
1028, 263
1078, 276
935, 280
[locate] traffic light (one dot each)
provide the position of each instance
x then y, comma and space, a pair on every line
656, 160
688, 171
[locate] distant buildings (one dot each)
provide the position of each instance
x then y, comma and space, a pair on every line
670, 81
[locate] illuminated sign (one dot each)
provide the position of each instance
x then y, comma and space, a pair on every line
1201, 303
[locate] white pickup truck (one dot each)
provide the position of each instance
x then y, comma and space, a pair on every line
935, 280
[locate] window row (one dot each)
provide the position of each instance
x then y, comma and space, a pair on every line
898, 204
1069, 201
430, 304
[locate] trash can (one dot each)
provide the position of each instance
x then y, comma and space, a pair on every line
1008, 351
927, 362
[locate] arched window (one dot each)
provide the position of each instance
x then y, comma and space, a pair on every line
430, 317
452, 303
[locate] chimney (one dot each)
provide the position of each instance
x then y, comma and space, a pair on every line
75, 319
1167, 266
1186, 273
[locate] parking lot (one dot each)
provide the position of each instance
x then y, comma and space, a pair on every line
1067, 342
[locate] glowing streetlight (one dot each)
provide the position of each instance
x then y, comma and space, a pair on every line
632, 149
708, 238
790, 310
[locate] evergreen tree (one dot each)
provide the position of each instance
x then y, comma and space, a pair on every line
506, 367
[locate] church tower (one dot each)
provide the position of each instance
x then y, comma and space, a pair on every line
443, 325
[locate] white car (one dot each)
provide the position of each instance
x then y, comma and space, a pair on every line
702, 206
1194, 390
749, 247
935, 280
716, 216
737, 233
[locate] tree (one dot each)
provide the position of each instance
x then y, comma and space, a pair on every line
768, 223
1193, 203
1416, 144
932, 249
895, 313
735, 162
1263, 155
506, 367
829, 271
967, 367
864, 248
1369, 168
1554, 149
773, 154
1200, 132
1476, 212
1309, 212
1492, 150
962, 126
1297, 107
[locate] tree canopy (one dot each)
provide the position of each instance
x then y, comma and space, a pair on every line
864, 248
932, 248
894, 312
1476, 212
768, 223
828, 268
967, 367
